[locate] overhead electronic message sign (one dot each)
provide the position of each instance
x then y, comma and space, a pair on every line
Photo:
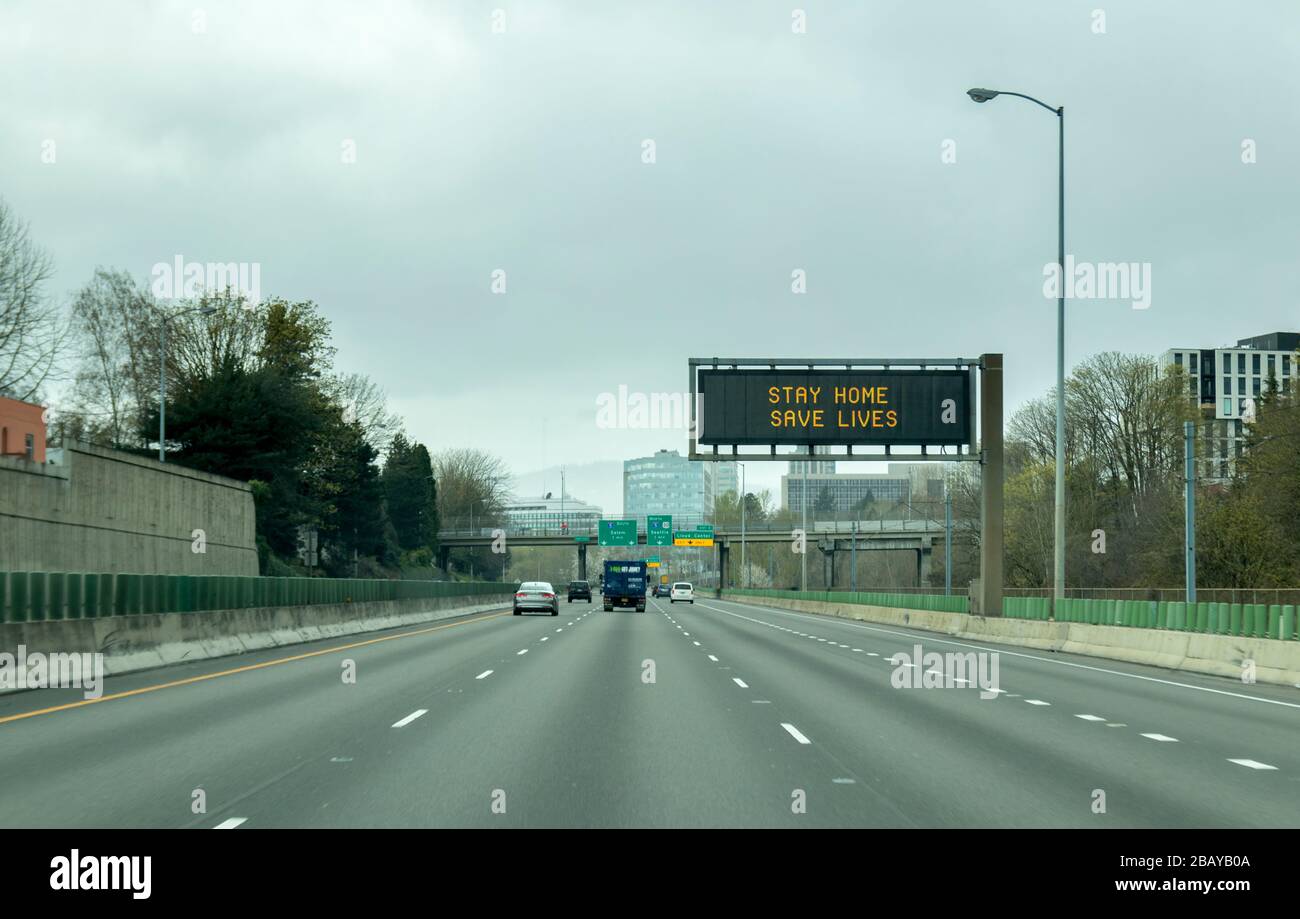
835, 407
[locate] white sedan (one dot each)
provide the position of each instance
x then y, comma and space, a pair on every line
683, 591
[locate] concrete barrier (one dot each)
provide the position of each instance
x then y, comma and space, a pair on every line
147, 640
1218, 655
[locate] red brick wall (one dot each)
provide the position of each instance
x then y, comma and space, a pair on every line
17, 420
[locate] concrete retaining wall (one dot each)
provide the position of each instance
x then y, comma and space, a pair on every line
94, 509
142, 642
1219, 655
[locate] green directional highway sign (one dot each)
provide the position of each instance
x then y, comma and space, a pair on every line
659, 530
618, 533
701, 535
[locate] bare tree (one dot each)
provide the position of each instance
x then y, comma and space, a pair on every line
366, 403
110, 315
32, 333
470, 480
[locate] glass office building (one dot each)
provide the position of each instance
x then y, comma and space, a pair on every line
668, 483
847, 492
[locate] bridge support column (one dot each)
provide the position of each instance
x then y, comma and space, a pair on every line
724, 553
828, 564
582, 561
923, 556
444, 554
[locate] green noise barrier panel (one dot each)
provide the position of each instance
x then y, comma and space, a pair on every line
27, 596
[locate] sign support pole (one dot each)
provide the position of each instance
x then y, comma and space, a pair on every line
991, 478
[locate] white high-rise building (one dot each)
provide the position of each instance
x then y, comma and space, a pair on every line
814, 467
1224, 382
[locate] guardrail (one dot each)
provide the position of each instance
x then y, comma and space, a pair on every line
40, 596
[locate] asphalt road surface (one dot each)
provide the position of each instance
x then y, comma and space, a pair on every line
712, 714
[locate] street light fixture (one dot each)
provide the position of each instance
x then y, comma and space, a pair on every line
984, 95
162, 374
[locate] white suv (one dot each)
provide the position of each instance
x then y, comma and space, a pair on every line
682, 591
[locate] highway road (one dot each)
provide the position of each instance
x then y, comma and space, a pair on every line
755, 717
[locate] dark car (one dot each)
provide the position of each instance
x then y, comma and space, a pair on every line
579, 590
661, 590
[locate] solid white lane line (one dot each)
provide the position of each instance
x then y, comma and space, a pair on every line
712, 658
1090, 718
794, 732
485, 673
1252, 764
739, 682
411, 717
517, 653
1163, 738
1000, 650
231, 823
1037, 702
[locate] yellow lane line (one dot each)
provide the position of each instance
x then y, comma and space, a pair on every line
244, 669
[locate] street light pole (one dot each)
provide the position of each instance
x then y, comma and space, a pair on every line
743, 578
803, 501
162, 393
984, 95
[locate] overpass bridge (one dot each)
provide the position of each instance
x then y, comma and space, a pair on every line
830, 537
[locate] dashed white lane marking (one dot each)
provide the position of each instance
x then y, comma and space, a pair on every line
546, 638
231, 823
483, 675
696, 643
845, 781
558, 631
1037, 702
843, 646
762, 701
1090, 717
712, 658
1252, 764
859, 650
524, 651
686, 634
1003, 651
794, 732
411, 717
995, 691
739, 682
872, 654
1163, 738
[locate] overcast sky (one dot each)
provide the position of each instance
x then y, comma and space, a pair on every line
218, 131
